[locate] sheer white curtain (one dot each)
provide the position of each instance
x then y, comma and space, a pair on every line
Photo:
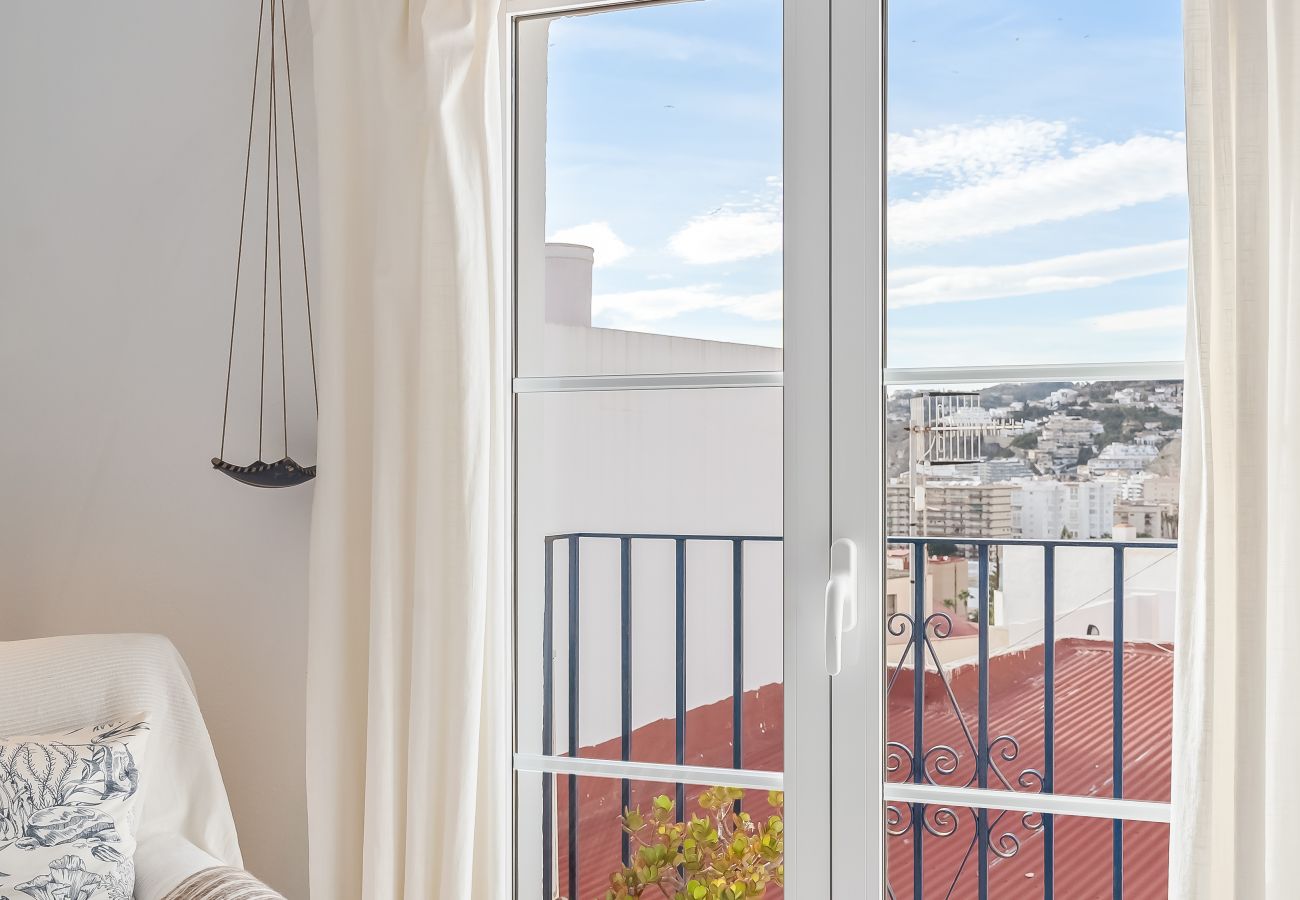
407, 765
1236, 785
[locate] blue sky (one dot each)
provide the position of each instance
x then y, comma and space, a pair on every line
1037, 205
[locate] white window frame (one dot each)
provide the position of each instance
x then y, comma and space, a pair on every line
806, 387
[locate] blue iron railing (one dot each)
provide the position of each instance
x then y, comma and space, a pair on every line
918, 763
680, 543
985, 749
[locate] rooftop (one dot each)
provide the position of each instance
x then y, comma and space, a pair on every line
1083, 766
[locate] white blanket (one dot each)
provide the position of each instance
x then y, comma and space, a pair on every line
55, 684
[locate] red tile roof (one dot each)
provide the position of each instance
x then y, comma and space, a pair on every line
1083, 766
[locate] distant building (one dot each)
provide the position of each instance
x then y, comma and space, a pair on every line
1061, 438
986, 471
1149, 520
947, 585
952, 509
1130, 458
1160, 490
1047, 509
1062, 397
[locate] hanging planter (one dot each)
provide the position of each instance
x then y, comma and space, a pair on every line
286, 471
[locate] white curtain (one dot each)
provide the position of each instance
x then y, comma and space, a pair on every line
408, 773
1236, 789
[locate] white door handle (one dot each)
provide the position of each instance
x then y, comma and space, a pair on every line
841, 601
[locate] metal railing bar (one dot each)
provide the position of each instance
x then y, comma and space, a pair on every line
1049, 715
548, 715
655, 536
709, 776
982, 754
737, 653
1024, 801
680, 643
1117, 735
574, 544
918, 708
625, 664
1147, 543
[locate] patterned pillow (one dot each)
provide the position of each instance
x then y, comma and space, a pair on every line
66, 812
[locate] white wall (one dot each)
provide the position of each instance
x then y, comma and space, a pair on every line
120, 167
1084, 587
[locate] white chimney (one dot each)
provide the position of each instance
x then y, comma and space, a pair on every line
568, 284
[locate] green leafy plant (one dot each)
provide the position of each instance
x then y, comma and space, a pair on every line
720, 855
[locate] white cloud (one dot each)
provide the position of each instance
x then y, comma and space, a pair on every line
976, 152
1099, 178
660, 304
1158, 317
728, 237
924, 285
735, 231
597, 235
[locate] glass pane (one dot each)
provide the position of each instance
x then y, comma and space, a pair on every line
945, 854
649, 215
1032, 643
660, 515
1037, 199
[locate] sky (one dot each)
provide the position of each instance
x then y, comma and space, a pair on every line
1037, 204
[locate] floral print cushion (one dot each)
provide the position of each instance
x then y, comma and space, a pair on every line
66, 812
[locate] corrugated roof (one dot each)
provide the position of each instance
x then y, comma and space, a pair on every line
1016, 707
1083, 765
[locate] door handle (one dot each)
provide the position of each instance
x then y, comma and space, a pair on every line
841, 601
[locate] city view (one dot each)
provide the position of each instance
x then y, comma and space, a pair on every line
1059, 460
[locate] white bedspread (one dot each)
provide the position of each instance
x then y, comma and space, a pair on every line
52, 684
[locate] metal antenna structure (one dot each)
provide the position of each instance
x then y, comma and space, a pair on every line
946, 428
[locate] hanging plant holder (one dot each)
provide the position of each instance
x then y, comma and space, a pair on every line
273, 50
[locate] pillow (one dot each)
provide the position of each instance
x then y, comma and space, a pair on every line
223, 883
66, 812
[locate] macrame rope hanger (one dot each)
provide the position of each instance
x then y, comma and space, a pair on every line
285, 472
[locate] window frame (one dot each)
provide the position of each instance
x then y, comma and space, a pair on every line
806, 257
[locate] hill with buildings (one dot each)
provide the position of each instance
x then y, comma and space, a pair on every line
1058, 460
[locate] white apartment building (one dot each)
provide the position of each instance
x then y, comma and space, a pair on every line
958, 509
1062, 397
1123, 458
1045, 509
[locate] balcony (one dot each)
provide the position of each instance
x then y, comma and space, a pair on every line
1003, 753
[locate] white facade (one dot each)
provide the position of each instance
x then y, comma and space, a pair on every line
1044, 509
1062, 397
691, 461
1130, 458
1083, 590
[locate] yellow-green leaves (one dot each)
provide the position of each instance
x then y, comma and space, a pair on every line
722, 855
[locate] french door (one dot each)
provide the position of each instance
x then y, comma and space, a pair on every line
721, 577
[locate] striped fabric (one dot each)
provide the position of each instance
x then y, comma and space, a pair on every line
223, 884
